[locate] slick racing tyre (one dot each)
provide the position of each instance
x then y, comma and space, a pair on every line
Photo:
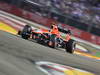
70, 46
25, 36
26, 32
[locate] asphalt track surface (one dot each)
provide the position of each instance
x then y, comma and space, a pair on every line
16, 55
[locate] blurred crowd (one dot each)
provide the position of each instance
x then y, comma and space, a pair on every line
86, 11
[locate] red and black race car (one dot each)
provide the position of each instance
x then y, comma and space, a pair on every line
51, 37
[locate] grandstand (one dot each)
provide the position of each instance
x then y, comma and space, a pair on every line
87, 11
82, 14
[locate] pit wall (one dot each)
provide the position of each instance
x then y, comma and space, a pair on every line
47, 22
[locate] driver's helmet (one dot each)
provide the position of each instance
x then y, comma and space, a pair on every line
53, 26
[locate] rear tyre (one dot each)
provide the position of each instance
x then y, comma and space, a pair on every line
70, 46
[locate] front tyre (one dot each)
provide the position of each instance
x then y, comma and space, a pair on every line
25, 36
70, 46
26, 32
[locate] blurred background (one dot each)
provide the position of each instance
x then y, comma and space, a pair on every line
81, 14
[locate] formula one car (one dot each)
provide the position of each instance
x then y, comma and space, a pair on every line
46, 37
